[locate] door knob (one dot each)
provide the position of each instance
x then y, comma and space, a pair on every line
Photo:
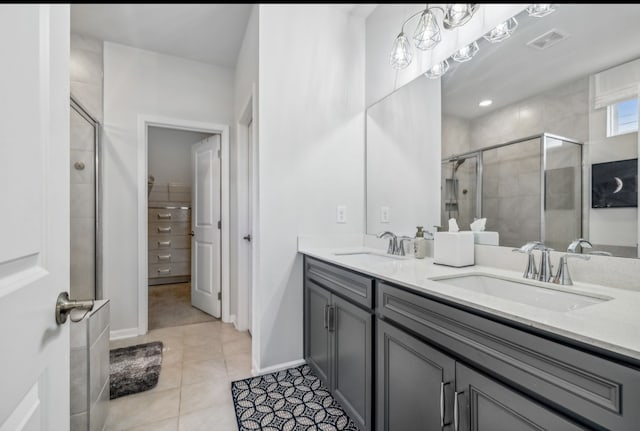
64, 306
192, 233
247, 237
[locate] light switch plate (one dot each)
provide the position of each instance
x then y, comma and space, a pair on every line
341, 214
384, 215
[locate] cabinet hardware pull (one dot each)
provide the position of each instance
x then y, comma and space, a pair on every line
164, 229
164, 257
326, 319
332, 318
164, 216
456, 410
164, 243
442, 405
164, 271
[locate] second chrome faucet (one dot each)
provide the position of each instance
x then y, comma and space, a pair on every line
546, 274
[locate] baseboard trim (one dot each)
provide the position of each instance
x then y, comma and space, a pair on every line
123, 333
279, 367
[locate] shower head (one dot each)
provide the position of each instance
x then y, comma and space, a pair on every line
458, 163
150, 182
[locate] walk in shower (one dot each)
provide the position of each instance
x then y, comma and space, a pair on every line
528, 189
85, 204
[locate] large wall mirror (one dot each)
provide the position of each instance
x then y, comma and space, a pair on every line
539, 134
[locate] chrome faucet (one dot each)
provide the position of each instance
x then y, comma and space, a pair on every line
545, 261
393, 241
578, 242
562, 276
401, 241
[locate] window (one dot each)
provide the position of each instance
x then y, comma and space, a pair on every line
622, 117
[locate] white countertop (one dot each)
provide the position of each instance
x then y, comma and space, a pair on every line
612, 325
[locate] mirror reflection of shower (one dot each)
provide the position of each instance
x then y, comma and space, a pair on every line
459, 197
150, 183
84, 202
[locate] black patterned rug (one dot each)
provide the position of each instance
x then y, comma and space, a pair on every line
289, 400
134, 369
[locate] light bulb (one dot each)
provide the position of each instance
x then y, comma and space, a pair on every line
485, 103
502, 31
466, 53
427, 34
458, 14
401, 53
437, 70
540, 9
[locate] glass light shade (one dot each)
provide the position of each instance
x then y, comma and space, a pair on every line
540, 9
438, 70
458, 14
427, 34
401, 53
502, 31
466, 53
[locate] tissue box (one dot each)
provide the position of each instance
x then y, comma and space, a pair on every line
453, 248
486, 237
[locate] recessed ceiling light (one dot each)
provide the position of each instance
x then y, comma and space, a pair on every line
485, 103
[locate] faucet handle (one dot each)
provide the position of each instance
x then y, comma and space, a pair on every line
401, 241
562, 276
529, 247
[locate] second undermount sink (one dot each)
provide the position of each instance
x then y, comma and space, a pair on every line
367, 257
527, 292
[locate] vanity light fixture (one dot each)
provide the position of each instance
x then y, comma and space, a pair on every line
437, 70
427, 34
502, 31
485, 103
539, 10
466, 53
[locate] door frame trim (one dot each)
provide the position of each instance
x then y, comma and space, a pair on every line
144, 122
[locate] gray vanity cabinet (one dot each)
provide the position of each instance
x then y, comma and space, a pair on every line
414, 383
483, 404
338, 336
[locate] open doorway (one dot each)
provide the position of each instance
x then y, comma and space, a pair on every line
183, 208
171, 188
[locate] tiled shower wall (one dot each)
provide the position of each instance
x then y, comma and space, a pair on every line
86, 88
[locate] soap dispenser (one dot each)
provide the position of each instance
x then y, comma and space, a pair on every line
420, 244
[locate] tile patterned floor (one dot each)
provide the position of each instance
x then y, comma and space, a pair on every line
170, 305
193, 393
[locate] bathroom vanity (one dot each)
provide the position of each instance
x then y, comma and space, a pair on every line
402, 351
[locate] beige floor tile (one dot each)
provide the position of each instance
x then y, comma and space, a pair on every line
172, 355
237, 345
133, 410
202, 339
238, 366
165, 425
203, 352
201, 371
203, 395
170, 377
217, 418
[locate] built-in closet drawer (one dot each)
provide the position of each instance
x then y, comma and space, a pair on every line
169, 255
600, 390
169, 269
163, 242
168, 228
161, 215
351, 285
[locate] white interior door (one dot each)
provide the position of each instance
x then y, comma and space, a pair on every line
205, 223
249, 237
34, 221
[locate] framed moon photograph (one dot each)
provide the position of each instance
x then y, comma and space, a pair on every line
614, 184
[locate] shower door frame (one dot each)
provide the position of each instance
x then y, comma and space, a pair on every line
97, 174
543, 167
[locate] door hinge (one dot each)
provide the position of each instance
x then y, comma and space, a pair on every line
219, 296
219, 224
219, 156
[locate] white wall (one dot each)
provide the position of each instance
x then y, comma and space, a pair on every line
169, 154
383, 25
139, 82
311, 156
246, 79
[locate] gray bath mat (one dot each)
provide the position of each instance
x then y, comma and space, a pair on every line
134, 369
289, 400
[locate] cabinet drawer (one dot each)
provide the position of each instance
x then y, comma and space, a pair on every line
356, 287
158, 214
170, 255
169, 269
168, 228
163, 242
594, 388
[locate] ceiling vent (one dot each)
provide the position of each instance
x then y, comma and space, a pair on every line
547, 39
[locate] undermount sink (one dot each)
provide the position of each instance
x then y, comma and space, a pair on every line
525, 292
367, 257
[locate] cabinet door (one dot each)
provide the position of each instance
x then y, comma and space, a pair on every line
486, 405
414, 383
351, 329
317, 347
